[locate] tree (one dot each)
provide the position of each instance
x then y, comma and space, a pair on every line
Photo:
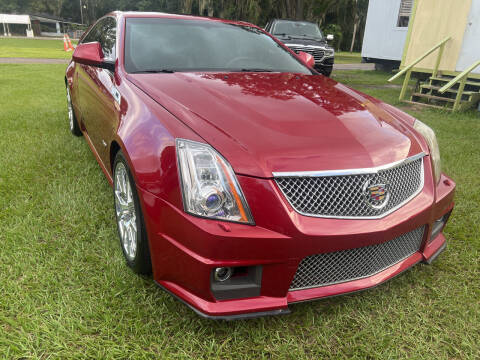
360, 8
355, 24
347, 15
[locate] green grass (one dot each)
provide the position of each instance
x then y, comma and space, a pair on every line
53, 49
66, 292
345, 57
33, 48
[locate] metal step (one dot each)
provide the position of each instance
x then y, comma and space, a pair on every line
443, 103
454, 91
427, 94
449, 94
427, 105
446, 80
433, 97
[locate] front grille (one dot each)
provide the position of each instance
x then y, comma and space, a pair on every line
345, 195
317, 53
352, 264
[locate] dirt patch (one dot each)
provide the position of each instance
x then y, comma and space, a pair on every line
386, 86
366, 66
32, 61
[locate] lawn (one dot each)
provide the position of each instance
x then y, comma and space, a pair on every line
67, 293
33, 48
53, 49
345, 57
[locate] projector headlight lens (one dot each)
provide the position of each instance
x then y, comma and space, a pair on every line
209, 185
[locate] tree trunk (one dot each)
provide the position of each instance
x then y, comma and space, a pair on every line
355, 24
290, 9
299, 10
187, 6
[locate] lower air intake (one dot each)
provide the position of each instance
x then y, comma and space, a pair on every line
352, 264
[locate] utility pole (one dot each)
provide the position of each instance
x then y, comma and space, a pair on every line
81, 11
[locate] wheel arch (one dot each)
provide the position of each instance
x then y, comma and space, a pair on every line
114, 149
115, 146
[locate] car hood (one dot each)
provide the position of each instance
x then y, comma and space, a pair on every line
278, 122
300, 41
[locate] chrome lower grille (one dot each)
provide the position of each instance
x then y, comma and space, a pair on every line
347, 195
347, 265
317, 53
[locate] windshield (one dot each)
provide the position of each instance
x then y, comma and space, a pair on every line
298, 29
166, 45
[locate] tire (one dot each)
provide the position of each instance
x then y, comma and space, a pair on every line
72, 119
130, 222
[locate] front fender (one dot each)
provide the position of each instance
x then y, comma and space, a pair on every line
146, 134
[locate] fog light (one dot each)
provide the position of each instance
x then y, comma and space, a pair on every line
222, 273
238, 282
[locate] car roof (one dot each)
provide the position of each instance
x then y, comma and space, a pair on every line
161, 15
292, 20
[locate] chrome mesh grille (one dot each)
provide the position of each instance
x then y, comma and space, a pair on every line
317, 53
344, 196
352, 264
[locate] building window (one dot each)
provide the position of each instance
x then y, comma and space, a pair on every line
404, 13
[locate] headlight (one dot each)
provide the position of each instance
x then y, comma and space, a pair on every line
329, 52
209, 185
431, 139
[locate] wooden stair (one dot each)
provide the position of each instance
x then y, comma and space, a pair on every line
427, 94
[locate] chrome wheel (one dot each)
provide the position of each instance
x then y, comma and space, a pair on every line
70, 109
125, 211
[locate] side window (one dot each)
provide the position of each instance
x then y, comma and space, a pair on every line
108, 38
404, 13
92, 34
105, 32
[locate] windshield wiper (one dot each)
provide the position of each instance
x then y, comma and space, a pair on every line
253, 70
283, 35
307, 37
154, 71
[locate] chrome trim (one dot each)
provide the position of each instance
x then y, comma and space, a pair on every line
308, 46
302, 47
360, 171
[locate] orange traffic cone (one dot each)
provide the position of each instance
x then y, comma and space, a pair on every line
65, 45
70, 46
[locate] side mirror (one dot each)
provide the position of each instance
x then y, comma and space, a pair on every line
307, 59
88, 54
329, 37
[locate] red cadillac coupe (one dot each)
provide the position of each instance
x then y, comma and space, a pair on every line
242, 178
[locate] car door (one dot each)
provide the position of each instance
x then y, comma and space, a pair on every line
96, 89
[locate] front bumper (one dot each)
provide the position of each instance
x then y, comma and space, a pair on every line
325, 66
185, 249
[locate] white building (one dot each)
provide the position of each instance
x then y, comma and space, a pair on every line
8, 19
34, 25
386, 30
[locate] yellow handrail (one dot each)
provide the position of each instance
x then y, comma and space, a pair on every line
396, 76
463, 80
459, 77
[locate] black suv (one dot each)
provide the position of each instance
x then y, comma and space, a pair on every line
307, 37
